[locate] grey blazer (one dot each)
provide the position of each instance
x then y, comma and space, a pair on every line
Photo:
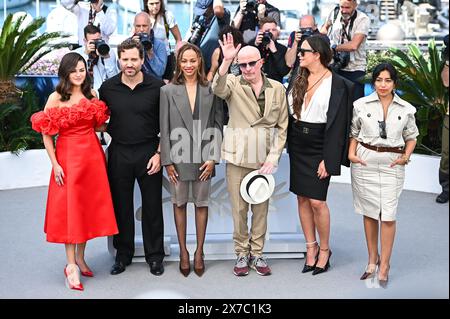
185, 143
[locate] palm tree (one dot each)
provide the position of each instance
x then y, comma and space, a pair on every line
21, 47
421, 85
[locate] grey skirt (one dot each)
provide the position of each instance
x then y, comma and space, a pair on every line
196, 192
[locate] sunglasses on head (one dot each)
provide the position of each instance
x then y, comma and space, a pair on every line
249, 64
382, 125
303, 51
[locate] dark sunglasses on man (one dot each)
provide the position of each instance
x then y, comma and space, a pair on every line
250, 64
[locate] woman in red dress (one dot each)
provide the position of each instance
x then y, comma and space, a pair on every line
79, 204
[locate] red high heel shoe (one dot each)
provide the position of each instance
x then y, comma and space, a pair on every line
87, 273
73, 273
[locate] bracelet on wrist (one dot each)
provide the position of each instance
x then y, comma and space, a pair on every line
406, 159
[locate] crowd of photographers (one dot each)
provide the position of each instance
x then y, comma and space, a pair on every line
256, 21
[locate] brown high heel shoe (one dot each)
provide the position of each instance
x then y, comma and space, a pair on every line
199, 271
185, 271
371, 269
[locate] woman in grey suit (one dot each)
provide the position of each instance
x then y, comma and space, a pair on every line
191, 122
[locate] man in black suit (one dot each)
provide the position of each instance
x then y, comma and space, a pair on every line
133, 99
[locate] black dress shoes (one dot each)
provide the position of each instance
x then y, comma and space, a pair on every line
442, 198
118, 267
156, 268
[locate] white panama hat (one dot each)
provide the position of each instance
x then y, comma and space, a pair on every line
256, 188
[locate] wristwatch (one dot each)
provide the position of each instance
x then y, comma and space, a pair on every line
157, 152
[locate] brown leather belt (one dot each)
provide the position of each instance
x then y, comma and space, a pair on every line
398, 150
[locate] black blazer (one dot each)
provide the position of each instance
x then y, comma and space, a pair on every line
337, 132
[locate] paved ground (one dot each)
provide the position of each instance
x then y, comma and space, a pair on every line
32, 268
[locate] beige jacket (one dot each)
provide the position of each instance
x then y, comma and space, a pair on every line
400, 123
250, 139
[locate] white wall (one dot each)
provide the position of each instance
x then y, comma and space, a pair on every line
421, 174
32, 168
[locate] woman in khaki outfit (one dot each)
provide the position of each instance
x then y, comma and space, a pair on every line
383, 136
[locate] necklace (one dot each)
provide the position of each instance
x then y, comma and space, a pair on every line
317, 81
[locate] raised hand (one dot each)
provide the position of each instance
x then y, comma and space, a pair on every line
228, 49
243, 5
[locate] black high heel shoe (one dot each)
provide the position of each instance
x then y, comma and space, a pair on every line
319, 270
306, 267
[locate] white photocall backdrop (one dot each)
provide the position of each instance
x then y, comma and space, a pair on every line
284, 237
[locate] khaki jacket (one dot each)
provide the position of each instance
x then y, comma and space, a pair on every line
251, 138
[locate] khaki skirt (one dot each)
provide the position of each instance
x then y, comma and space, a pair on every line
377, 186
196, 192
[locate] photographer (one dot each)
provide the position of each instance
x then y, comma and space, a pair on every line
101, 60
443, 167
271, 51
248, 15
347, 29
96, 13
307, 28
155, 59
210, 17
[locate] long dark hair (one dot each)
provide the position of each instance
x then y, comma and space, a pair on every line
162, 10
178, 77
318, 44
68, 65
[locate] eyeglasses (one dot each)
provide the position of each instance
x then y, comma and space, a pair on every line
382, 126
249, 64
302, 51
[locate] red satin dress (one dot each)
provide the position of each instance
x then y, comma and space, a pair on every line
82, 208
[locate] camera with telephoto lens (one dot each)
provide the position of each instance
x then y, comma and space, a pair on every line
102, 47
198, 29
252, 6
267, 36
145, 40
340, 59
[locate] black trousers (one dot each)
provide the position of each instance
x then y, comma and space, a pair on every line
356, 77
126, 163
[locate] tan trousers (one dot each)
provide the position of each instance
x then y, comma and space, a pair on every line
243, 242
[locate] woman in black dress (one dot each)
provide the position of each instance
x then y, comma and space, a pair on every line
320, 114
